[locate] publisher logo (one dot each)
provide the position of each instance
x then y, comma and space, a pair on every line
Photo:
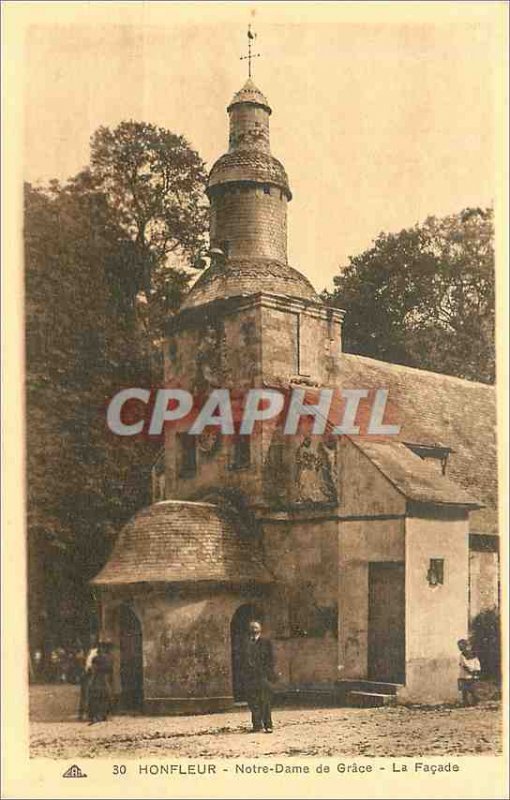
74, 772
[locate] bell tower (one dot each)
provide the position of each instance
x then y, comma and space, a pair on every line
250, 320
248, 191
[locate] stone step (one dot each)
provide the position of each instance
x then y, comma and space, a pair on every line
370, 699
383, 687
314, 695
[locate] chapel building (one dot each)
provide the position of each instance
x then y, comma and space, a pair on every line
365, 557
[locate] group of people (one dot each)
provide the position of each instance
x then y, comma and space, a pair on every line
94, 673
259, 675
60, 665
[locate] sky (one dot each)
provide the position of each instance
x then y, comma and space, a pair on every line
381, 115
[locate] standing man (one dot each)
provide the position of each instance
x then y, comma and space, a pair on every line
258, 674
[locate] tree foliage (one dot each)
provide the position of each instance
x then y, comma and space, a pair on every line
425, 296
94, 250
486, 639
155, 183
82, 343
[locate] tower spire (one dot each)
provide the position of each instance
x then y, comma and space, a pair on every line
251, 38
248, 190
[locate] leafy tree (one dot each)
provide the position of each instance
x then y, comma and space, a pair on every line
106, 257
155, 183
425, 296
486, 639
82, 342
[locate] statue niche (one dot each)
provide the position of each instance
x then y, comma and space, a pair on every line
315, 472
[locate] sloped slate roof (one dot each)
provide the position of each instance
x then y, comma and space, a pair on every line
249, 276
177, 541
412, 476
249, 165
439, 409
249, 93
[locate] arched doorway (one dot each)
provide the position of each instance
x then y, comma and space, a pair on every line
238, 635
131, 659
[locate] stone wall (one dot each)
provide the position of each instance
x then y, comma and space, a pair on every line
303, 556
187, 651
361, 542
216, 351
436, 615
224, 352
363, 489
252, 346
299, 343
307, 661
483, 576
280, 359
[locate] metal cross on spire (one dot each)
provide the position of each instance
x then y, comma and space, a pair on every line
251, 37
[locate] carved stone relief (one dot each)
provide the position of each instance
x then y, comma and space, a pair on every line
209, 358
315, 479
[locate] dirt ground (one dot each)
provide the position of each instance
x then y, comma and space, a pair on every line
398, 731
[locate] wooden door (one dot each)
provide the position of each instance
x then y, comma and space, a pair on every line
131, 659
386, 622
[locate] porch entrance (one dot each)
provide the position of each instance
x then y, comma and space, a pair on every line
386, 621
131, 659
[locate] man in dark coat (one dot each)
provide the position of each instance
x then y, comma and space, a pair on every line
258, 674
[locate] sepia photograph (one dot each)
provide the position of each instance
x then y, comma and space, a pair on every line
261, 319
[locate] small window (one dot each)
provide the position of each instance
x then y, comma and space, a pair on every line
433, 453
435, 575
187, 455
241, 453
267, 189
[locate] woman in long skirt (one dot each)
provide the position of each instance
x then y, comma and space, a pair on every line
100, 690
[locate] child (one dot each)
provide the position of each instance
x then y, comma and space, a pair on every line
469, 673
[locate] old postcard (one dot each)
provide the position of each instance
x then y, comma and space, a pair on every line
255, 325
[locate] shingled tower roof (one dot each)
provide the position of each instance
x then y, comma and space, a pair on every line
248, 277
249, 93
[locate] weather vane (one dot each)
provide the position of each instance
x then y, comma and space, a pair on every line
251, 38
